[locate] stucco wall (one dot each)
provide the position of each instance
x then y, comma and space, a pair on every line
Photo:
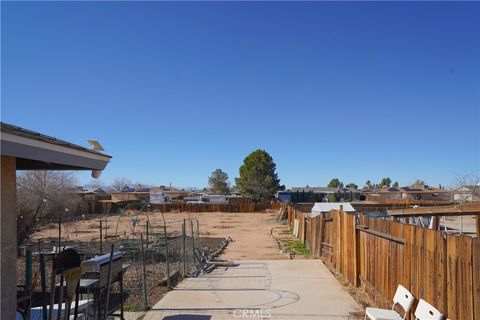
8, 239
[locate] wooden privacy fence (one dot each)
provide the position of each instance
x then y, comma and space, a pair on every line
378, 255
210, 207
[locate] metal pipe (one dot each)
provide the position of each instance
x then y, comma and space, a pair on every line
146, 243
193, 241
77, 298
109, 279
198, 234
52, 292
28, 269
44, 286
144, 275
101, 238
59, 233
60, 297
184, 248
167, 260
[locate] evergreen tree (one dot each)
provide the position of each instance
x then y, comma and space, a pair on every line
334, 183
258, 178
218, 182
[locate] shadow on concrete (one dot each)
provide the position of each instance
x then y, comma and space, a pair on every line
188, 317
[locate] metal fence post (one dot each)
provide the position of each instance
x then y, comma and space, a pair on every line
184, 247
146, 244
109, 280
144, 276
193, 241
167, 260
101, 236
44, 286
59, 234
198, 235
28, 268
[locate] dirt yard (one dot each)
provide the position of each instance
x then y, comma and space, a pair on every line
250, 232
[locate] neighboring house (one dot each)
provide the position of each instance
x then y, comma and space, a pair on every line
284, 196
195, 198
379, 195
174, 193
312, 194
349, 194
324, 207
216, 199
207, 198
234, 191
318, 194
130, 196
93, 199
159, 198
467, 194
143, 194
411, 193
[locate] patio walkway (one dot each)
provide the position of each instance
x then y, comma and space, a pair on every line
273, 289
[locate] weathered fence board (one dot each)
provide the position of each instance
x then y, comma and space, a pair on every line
378, 255
476, 276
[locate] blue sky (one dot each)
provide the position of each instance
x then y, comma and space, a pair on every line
174, 90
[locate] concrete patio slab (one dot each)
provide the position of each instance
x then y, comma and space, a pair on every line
274, 289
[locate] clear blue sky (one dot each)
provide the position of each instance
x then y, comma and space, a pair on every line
174, 90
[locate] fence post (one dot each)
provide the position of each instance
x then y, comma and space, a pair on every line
109, 280
146, 238
338, 250
59, 233
477, 220
356, 252
184, 248
198, 235
101, 236
193, 241
28, 268
43, 282
144, 276
167, 260
320, 234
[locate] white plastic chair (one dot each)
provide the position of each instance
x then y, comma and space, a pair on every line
403, 297
426, 311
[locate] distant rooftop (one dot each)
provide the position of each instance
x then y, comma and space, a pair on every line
314, 189
408, 189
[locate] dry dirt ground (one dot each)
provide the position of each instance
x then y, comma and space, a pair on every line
250, 232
